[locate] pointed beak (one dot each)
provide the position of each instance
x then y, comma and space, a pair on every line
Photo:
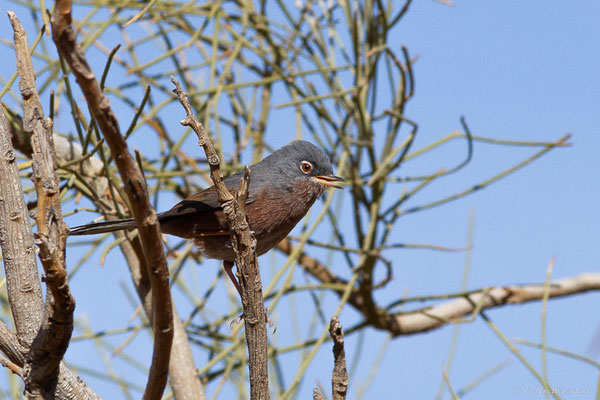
329, 180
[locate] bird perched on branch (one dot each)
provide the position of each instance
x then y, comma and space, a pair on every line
283, 187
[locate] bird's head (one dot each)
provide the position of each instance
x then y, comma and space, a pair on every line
301, 162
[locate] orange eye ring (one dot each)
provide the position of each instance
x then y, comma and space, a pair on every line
306, 167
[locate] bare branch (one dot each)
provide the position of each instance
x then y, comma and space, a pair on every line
69, 387
24, 289
317, 395
183, 378
431, 318
50, 344
64, 37
12, 367
339, 377
22, 281
245, 257
435, 317
9, 345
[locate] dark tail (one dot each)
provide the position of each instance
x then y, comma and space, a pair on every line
103, 227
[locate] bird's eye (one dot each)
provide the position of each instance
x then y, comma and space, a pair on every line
306, 167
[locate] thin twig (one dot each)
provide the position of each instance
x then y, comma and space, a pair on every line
12, 367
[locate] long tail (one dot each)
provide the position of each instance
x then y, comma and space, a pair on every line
103, 227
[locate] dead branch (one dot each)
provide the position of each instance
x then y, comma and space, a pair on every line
69, 385
339, 377
425, 319
22, 281
23, 285
452, 311
64, 37
183, 378
245, 257
9, 345
50, 344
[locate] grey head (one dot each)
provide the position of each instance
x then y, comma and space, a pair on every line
296, 163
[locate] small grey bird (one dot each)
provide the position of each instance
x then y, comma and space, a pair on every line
283, 187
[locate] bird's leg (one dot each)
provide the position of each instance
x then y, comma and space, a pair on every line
228, 266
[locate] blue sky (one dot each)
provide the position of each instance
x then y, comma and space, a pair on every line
524, 71
516, 70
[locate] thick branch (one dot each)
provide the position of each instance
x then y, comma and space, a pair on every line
16, 238
23, 285
245, 257
70, 386
64, 37
50, 344
9, 345
22, 281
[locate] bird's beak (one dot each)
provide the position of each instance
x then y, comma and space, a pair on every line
329, 180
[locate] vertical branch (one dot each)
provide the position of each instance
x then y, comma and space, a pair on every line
22, 281
339, 378
245, 258
50, 344
18, 253
64, 37
23, 286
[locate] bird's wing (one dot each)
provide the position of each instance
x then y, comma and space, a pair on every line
206, 200
200, 213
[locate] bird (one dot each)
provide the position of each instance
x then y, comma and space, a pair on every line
283, 187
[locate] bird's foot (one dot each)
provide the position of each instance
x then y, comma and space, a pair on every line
236, 321
240, 318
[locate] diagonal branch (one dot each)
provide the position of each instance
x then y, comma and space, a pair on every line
64, 37
467, 304
9, 345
